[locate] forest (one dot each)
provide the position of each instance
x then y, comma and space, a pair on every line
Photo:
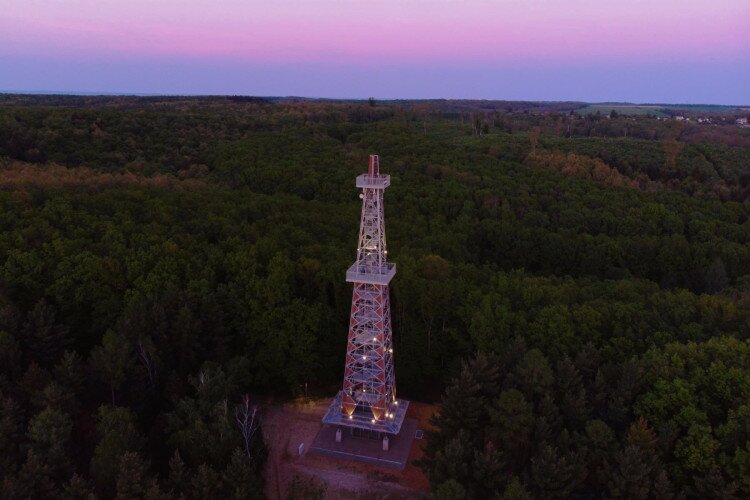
573, 291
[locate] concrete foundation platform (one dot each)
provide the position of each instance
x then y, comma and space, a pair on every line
363, 449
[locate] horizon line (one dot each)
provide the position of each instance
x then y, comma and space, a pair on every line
364, 99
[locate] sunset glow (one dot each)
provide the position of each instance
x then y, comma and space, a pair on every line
308, 47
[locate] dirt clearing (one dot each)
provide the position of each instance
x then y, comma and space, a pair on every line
287, 425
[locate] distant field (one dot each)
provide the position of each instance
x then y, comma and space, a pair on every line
656, 109
623, 109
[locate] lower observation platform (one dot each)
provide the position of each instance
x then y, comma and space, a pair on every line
363, 449
373, 275
364, 420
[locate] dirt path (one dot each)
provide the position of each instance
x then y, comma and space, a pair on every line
287, 425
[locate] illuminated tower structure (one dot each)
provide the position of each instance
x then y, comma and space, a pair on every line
367, 401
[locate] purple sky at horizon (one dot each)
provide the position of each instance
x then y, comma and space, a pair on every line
686, 51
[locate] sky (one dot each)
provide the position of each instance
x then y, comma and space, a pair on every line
666, 51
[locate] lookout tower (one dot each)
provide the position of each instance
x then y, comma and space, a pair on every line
367, 403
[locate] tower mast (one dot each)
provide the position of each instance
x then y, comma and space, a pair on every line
368, 397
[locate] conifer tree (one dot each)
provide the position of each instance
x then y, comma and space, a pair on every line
515, 491
133, 480
512, 422
112, 361
43, 336
78, 489
12, 427
556, 474
240, 479
572, 395
118, 435
206, 483
178, 474
49, 433
488, 472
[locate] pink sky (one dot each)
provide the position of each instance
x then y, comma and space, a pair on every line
395, 32
347, 30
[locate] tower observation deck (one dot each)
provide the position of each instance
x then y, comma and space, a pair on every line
367, 400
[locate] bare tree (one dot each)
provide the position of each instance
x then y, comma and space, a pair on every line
147, 359
248, 421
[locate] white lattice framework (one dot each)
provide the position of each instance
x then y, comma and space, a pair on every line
368, 398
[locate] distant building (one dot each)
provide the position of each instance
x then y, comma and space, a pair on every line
679, 118
742, 122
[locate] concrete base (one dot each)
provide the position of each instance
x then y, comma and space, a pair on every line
362, 449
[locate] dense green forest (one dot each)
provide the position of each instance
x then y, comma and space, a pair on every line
573, 289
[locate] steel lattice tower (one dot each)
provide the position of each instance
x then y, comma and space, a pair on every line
368, 398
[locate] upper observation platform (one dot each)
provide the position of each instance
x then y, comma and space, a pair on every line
373, 181
371, 274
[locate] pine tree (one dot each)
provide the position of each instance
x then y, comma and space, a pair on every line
599, 395
587, 361
512, 355
515, 491
178, 474
240, 478
44, 339
631, 474
133, 480
118, 435
453, 461
449, 490
58, 397
601, 445
644, 437
11, 433
35, 479
78, 489
70, 371
34, 380
113, 361
206, 483
49, 433
487, 474
548, 410
637, 466
462, 405
10, 318
219, 337
10, 357
663, 489
185, 334
713, 485
716, 277
533, 374
512, 422
487, 374
572, 395
555, 474
622, 397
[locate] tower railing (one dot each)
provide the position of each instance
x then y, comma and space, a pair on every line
373, 181
371, 273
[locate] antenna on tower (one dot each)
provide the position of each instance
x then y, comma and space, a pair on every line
374, 166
